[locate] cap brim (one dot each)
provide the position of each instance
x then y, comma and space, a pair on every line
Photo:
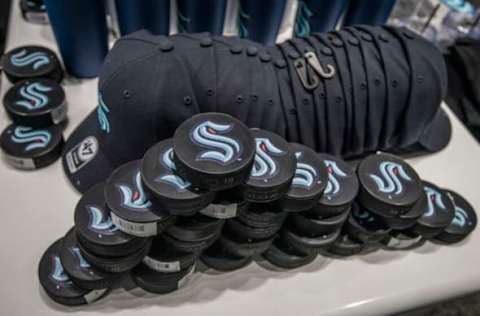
438, 134
83, 157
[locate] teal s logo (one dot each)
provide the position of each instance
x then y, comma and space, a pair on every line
102, 114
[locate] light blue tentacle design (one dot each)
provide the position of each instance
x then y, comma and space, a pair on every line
333, 185
34, 138
135, 199
33, 96
224, 150
391, 173
100, 224
22, 59
305, 174
434, 201
58, 273
302, 25
264, 165
81, 260
179, 183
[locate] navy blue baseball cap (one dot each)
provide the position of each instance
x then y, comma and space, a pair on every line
149, 84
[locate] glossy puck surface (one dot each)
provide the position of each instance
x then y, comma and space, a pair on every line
131, 211
219, 258
214, 151
388, 185
96, 230
58, 285
341, 189
28, 148
273, 168
165, 188
164, 258
284, 256
463, 223
159, 282
28, 62
36, 103
309, 181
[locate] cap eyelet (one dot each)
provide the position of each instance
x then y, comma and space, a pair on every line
394, 83
126, 94
270, 102
280, 63
377, 81
322, 95
420, 79
305, 101
254, 97
293, 111
338, 100
363, 85
209, 92
239, 99
187, 100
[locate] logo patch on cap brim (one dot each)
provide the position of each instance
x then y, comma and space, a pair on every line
81, 154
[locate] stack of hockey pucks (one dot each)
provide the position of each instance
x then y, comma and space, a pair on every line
224, 194
37, 106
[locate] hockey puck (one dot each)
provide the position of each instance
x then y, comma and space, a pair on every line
195, 228
29, 62
438, 214
463, 223
309, 181
195, 247
408, 219
238, 228
214, 151
243, 247
163, 258
219, 258
36, 103
341, 189
227, 204
364, 226
164, 188
307, 244
273, 168
287, 257
131, 211
310, 224
34, 11
399, 240
27, 148
344, 246
388, 185
262, 215
80, 270
116, 264
96, 231
158, 282
56, 283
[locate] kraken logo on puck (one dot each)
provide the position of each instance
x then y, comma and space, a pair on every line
264, 165
100, 224
434, 201
305, 174
223, 149
392, 174
33, 96
23, 58
334, 171
33, 138
136, 198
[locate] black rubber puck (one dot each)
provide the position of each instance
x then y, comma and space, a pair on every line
399, 240
239, 228
159, 282
463, 223
195, 228
284, 256
227, 204
310, 180
311, 224
29, 62
195, 247
28, 148
262, 215
80, 270
96, 231
164, 188
341, 189
438, 214
36, 103
131, 211
408, 219
116, 264
388, 185
163, 258
219, 258
34, 11
56, 283
214, 151
344, 246
273, 169
364, 226
308, 244
243, 247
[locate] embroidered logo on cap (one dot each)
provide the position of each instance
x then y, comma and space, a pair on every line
102, 114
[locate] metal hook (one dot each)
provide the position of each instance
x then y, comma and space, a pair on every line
301, 69
313, 61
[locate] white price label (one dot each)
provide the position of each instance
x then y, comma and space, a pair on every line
162, 266
221, 211
132, 228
